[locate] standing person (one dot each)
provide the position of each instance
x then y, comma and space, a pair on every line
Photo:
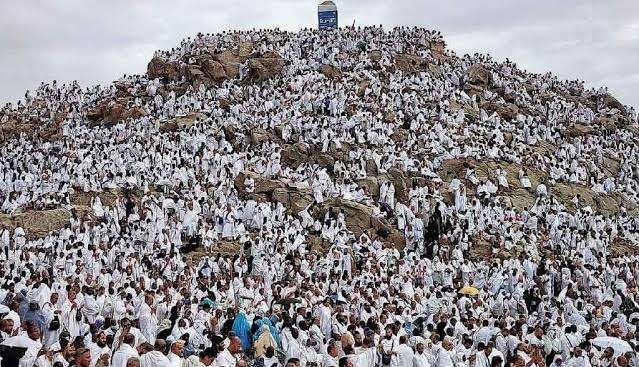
126, 351
405, 353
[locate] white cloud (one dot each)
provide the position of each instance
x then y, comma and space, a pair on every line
96, 41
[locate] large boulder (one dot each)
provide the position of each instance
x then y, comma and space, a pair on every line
259, 136
371, 185
375, 55
209, 68
401, 183
295, 154
438, 49
478, 75
612, 102
196, 76
410, 63
576, 130
180, 122
360, 219
244, 50
113, 111
264, 67
214, 70
158, 67
521, 199
565, 192
38, 223
294, 196
362, 86
263, 185
330, 71
455, 168
14, 127
507, 111
400, 135
230, 63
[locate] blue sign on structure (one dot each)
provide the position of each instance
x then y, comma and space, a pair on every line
327, 19
327, 15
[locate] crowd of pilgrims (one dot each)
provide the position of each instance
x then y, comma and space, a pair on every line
117, 290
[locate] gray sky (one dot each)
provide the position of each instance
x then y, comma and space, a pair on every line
96, 41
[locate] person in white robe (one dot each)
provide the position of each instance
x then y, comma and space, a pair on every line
127, 350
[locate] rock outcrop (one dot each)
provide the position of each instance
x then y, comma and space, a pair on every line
361, 219
264, 67
294, 196
410, 63
37, 223
214, 67
113, 111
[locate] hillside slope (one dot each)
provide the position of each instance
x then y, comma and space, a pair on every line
322, 123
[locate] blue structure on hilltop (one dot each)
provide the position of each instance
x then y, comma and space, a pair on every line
327, 15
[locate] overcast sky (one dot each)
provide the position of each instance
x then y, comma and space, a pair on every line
96, 41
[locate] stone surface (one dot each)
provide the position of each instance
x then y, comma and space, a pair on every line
294, 196
182, 122
330, 71
410, 63
478, 75
577, 130
37, 223
359, 219
264, 67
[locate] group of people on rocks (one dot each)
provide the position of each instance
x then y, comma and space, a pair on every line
118, 285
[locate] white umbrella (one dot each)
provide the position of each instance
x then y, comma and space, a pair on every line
618, 345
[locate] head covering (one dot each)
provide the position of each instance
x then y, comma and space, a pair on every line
264, 341
241, 328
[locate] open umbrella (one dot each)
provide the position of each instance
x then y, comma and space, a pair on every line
469, 291
618, 345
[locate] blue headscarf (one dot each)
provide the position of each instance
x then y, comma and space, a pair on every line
274, 333
241, 328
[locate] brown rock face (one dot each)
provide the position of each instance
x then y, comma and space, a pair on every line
359, 219
294, 196
38, 223
401, 184
295, 154
160, 68
375, 55
479, 75
230, 63
211, 68
214, 70
182, 122
612, 102
330, 71
112, 111
259, 136
506, 111
410, 63
196, 76
264, 67
361, 87
578, 130
438, 49
478, 78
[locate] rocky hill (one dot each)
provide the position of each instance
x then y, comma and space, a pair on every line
439, 119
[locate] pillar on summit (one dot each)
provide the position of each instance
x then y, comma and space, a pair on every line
327, 15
